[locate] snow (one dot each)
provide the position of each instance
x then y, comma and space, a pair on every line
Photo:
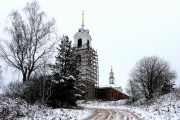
55, 81
114, 86
62, 81
71, 78
166, 107
58, 114
78, 95
109, 85
17, 108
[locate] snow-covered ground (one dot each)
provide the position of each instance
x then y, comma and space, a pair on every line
16, 108
57, 114
166, 107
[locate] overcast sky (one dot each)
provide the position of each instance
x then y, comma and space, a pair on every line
122, 31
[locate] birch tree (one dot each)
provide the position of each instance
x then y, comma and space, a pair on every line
32, 38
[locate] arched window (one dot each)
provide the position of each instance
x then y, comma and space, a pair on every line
79, 42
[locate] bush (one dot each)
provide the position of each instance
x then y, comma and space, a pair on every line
14, 90
12, 108
31, 91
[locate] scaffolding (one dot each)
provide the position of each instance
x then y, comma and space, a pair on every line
89, 70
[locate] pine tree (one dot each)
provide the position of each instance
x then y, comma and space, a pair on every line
66, 75
167, 87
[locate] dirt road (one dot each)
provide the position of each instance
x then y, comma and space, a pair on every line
110, 114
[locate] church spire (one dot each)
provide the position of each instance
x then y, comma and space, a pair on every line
111, 78
111, 73
82, 20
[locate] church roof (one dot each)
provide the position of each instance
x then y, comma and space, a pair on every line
118, 88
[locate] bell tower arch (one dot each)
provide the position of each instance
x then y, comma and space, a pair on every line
82, 38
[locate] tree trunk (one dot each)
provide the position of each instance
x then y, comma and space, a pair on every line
24, 77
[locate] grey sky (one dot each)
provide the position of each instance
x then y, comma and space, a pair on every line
122, 31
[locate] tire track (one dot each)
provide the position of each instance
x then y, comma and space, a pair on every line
111, 114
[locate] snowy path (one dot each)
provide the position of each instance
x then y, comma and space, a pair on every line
110, 114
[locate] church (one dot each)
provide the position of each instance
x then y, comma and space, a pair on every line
89, 69
89, 72
111, 92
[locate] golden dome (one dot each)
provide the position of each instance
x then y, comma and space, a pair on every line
111, 72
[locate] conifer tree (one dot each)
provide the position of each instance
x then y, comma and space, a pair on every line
66, 75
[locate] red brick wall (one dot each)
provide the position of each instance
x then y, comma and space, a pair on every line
110, 94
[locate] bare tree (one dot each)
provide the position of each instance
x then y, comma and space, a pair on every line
152, 75
1, 78
132, 90
44, 76
32, 38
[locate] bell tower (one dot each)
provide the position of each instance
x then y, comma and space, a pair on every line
89, 73
82, 38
